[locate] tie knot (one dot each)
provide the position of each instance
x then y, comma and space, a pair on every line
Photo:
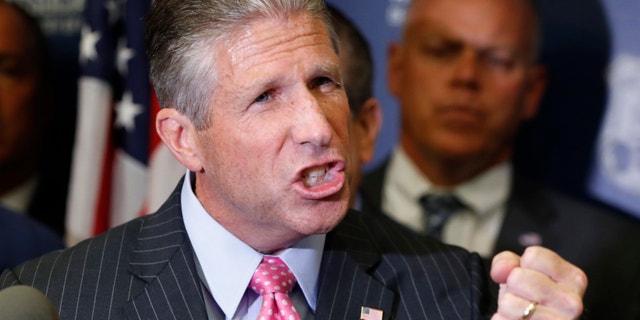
438, 203
438, 208
272, 276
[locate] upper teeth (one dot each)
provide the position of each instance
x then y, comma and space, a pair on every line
314, 176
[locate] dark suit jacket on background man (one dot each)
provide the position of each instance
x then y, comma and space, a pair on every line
23, 238
603, 253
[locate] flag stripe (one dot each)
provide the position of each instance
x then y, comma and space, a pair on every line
103, 205
117, 152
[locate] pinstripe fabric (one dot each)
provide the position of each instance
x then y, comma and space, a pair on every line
141, 270
145, 269
373, 262
604, 243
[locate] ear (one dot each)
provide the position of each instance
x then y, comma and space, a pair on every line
179, 135
394, 68
368, 122
537, 85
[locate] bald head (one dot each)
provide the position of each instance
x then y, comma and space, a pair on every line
466, 77
518, 15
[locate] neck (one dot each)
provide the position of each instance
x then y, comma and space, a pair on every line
449, 172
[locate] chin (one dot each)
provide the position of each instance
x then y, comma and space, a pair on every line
323, 220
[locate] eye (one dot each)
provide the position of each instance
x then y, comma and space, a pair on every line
263, 97
14, 70
441, 49
324, 81
499, 60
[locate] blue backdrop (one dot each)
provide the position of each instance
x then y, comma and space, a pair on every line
616, 175
380, 22
582, 41
557, 147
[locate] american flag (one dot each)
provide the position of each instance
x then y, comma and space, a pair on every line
120, 168
367, 313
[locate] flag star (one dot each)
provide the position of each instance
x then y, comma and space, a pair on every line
124, 55
88, 42
126, 112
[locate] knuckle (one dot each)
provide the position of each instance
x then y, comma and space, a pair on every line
530, 255
581, 279
516, 276
573, 305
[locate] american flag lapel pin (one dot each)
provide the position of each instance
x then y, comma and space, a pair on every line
367, 313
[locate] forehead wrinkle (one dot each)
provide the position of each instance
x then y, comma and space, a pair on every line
330, 67
256, 45
259, 39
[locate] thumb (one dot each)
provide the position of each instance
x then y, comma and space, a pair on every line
502, 265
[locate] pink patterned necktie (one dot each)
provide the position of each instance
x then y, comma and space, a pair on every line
273, 280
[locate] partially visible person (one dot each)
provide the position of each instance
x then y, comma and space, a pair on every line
23, 114
466, 77
260, 119
357, 76
25, 111
22, 239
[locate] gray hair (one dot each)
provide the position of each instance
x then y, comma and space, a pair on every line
180, 36
531, 8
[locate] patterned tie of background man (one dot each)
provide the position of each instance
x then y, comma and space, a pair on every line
438, 208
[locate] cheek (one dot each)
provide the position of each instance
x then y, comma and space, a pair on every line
508, 103
253, 147
17, 115
337, 113
418, 114
17, 94
506, 118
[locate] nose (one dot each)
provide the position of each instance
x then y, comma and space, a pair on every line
466, 70
312, 125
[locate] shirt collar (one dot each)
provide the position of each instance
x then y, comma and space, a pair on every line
18, 198
481, 194
405, 176
487, 191
228, 263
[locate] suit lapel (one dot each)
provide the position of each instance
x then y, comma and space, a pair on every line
165, 282
345, 283
527, 218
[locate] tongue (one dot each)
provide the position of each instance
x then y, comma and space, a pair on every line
314, 176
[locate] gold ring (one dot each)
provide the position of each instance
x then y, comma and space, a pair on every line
528, 312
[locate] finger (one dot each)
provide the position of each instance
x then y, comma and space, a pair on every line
511, 306
498, 316
514, 307
555, 267
502, 264
531, 285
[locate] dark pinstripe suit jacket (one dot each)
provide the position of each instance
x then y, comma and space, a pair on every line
145, 269
604, 243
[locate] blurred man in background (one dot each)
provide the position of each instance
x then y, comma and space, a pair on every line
466, 77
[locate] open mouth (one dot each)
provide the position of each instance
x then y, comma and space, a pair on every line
315, 176
321, 180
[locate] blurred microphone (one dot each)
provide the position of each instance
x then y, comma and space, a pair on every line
25, 303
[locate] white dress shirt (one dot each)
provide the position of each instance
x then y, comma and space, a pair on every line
475, 228
228, 263
19, 198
